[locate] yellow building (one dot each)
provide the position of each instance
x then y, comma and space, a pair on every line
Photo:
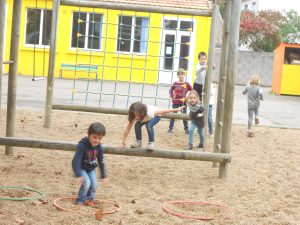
111, 44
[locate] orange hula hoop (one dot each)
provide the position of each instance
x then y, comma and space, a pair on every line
115, 204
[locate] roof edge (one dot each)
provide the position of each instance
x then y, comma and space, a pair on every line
137, 7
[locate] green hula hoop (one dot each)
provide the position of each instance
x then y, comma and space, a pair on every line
41, 195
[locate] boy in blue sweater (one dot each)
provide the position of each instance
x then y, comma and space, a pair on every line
88, 152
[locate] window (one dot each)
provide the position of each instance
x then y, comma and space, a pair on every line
38, 26
132, 34
183, 25
86, 30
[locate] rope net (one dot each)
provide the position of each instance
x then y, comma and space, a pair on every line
122, 57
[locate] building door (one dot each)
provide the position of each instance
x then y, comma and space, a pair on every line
176, 49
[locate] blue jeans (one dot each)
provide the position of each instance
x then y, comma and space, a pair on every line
149, 126
210, 120
191, 133
88, 188
172, 121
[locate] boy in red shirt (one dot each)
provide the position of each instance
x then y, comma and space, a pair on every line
178, 93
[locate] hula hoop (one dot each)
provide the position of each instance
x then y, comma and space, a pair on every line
116, 206
168, 210
41, 195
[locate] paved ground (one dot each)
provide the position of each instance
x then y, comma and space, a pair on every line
278, 111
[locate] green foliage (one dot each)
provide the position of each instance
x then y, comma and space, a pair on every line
261, 32
290, 31
265, 30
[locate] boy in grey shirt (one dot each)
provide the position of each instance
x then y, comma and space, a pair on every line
254, 95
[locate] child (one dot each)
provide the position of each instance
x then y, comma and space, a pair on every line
178, 93
141, 114
88, 150
197, 116
254, 96
210, 109
201, 69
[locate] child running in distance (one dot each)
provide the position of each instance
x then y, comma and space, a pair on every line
140, 114
178, 92
197, 117
254, 96
88, 152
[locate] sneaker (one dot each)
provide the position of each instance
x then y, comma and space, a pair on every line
200, 145
170, 131
151, 146
89, 203
250, 134
186, 131
190, 147
137, 144
256, 121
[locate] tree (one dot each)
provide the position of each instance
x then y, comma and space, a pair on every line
290, 31
261, 32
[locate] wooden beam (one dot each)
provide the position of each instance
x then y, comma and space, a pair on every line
233, 44
113, 111
13, 72
142, 152
51, 65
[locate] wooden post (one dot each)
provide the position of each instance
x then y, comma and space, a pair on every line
142, 152
222, 79
2, 32
51, 68
13, 72
211, 56
230, 81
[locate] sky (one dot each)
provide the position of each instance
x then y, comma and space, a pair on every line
280, 4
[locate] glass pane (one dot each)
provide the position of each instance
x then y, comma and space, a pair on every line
47, 27
169, 51
186, 26
140, 35
170, 24
184, 52
33, 26
124, 33
78, 28
95, 31
137, 35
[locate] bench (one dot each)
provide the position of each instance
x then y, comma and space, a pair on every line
79, 68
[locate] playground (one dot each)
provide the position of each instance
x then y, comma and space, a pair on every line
100, 57
262, 187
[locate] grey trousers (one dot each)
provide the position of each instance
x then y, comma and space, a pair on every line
252, 111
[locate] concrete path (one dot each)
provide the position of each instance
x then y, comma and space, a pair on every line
275, 111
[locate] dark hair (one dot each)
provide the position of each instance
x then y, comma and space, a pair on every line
97, 128
137, 107
201, 54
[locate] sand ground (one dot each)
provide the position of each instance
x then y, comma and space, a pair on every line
262, 187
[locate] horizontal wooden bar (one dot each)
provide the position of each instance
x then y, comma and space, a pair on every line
142, 152
8, 62
113, 111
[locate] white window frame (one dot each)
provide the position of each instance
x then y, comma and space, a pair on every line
39, 45
86, 38
177, 49
132, 36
